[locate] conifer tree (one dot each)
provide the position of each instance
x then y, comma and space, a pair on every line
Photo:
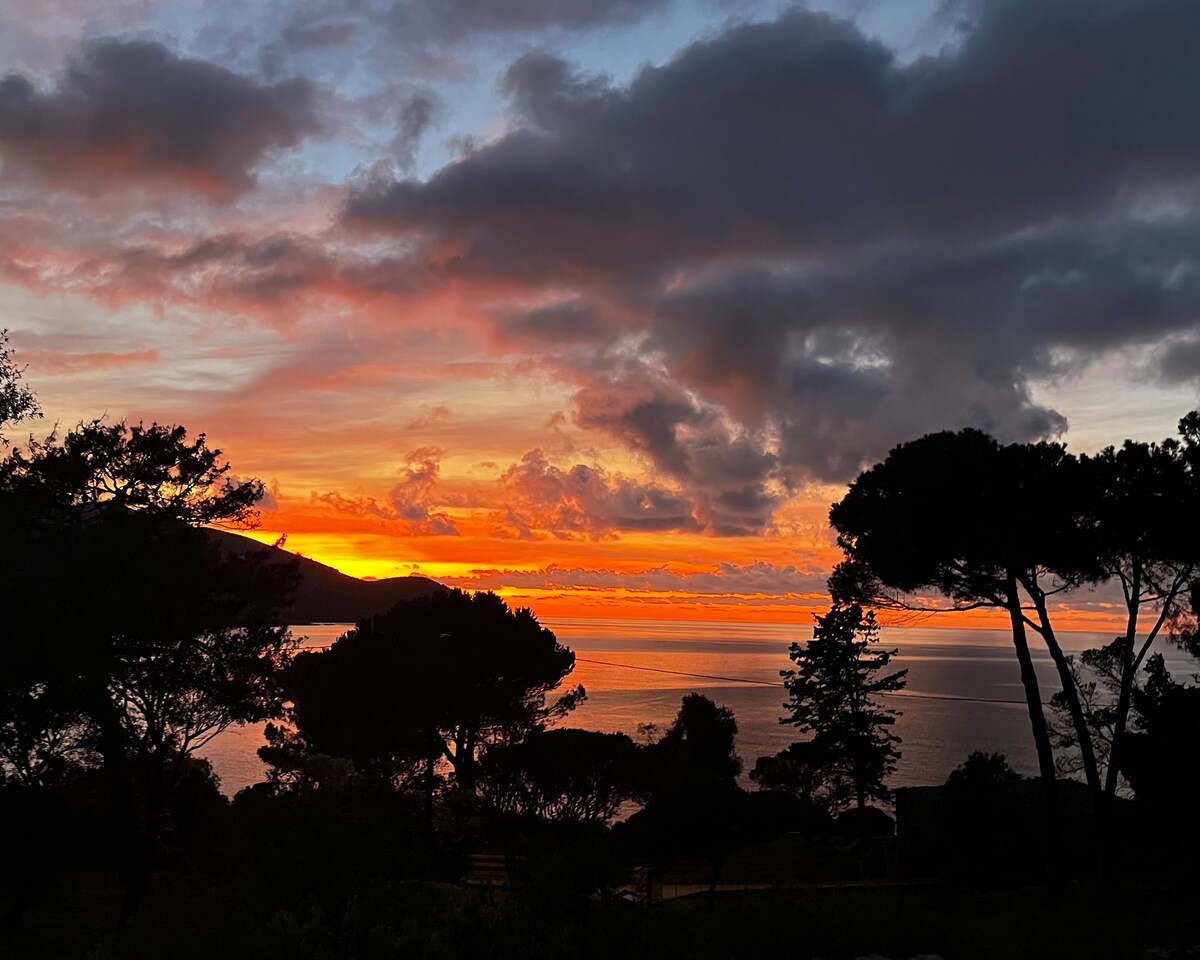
832, 689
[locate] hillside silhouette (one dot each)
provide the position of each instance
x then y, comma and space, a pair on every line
326, 595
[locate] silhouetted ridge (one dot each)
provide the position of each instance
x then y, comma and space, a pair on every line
326, 595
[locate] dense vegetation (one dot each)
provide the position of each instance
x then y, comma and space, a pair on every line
427, 799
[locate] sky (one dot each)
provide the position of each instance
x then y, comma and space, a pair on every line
600, 303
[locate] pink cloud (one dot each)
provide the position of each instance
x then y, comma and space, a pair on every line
584, 502
727, 579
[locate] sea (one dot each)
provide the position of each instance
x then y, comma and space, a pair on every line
964, 688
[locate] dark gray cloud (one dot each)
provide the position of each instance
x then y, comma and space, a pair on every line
426, 21
842, 363
299, 37
828, 250
801, 134
570, 321
132, 113
415, 116
237, 273
724, 470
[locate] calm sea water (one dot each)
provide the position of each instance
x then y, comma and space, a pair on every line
964, 690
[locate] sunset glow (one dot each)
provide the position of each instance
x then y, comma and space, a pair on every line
599, 307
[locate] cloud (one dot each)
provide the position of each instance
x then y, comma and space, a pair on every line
434, 21
359, 506
133, 114
565, 322
50, 362
269, 501
803, 135
415, 116
753, 267
278, 277
725, 471
413, 498
584, 502
411, 507
430, 417
727, 579
784, 250
300, 37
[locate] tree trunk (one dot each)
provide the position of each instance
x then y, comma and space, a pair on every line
430, 780
1131, 662
123, 797
716, 863
1083, 734
1123, 700
465, 772
1041, 733
1132, 605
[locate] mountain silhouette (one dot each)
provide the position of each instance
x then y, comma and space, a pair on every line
326, 595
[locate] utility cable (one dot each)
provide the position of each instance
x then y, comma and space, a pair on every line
759, 683
767, 683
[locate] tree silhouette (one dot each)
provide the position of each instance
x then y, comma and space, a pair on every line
1162, 757
852, 750
17, 401
698, 743
982, 818
158, 637
436, 678
1011, 527
978, 523
44, 738
695, 816
1141, 519
566, 775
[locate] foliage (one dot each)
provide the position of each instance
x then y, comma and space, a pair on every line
358, 704
565, 775
17, 401
986, 827
864, 822
318, 841
422, 920
159, 639
439, 677
197, 652
694, 817
1162, 758
831, 689
158, 469
1141, 519
799, 770
959, 514
43, 738
1011, 526
113, 507
1097, 676
699, 742
981, 772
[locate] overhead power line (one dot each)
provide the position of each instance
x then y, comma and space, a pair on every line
760, 683
768, 683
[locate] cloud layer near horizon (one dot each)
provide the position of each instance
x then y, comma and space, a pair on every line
740, 274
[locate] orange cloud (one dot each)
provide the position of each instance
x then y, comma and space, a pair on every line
67, 363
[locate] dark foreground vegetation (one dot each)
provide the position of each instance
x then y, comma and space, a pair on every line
194, 918
356, 872
426, 798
